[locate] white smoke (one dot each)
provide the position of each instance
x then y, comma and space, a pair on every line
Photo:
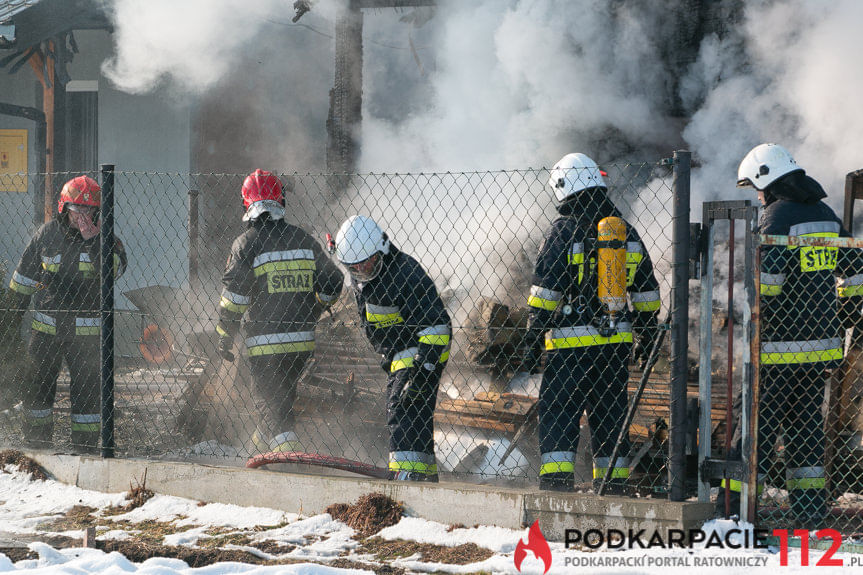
190, 45
497, 84
520, 84
792, 84
517, 83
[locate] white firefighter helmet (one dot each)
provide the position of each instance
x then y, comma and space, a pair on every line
574, 173
360, 243
764, 164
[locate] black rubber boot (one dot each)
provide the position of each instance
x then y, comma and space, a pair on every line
719, 509
618, 486
413, 476
85, 442
809, 507
38, 434
557, 482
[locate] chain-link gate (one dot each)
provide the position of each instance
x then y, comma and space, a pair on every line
477, 235
793, 457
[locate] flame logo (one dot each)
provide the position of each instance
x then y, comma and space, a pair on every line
535, 542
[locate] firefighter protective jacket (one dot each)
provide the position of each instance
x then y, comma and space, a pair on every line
800, 323
62, 269
403, 315
563, 300
279, 275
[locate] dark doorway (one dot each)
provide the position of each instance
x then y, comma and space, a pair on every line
82, 129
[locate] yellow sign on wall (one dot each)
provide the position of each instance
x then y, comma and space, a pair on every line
13, 160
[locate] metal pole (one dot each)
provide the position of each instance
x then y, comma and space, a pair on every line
729, 390
679, 325
655, 346
704, 363
193, 240
107, 309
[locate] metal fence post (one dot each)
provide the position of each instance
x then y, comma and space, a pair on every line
679, 325
705, 341
107, 309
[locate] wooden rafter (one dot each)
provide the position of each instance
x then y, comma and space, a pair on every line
43, 66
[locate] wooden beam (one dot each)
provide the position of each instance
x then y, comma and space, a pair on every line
43, 67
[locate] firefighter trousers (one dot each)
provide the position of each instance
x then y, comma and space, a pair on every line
578, 378
275, 377
81, 354
790, 406
790, 401
410, 416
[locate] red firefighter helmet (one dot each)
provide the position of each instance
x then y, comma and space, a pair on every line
82, 191
262, 185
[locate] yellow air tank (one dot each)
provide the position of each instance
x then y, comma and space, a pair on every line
611, 265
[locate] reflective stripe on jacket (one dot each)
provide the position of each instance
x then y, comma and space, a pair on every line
798, 285
564, 281
403, 315
277, 276
59, 269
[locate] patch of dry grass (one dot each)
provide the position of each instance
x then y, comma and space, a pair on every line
23, 463
464, 554
370, 514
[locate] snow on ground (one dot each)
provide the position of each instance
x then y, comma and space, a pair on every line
315, 542
212, 514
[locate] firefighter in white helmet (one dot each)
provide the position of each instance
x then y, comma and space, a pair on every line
406, 322
590, 260
801, 322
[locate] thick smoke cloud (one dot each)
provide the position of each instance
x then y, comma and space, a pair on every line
786, 79
190, 45
520, 84
498, 84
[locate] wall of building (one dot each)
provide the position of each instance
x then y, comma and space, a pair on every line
137, 133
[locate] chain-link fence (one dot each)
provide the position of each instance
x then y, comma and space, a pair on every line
807, 460
792, 407
475, 235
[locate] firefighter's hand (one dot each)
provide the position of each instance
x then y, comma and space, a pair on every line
84, 223
385, 363
417, 386
641, 350
226, 344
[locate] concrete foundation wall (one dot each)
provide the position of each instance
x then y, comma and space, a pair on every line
449, 503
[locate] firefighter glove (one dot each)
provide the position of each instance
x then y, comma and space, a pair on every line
417, 386
226, 344
385, 363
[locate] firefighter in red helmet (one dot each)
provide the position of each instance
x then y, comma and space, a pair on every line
279, 278
59, 270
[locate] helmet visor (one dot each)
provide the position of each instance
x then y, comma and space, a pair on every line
81, 209
366, 270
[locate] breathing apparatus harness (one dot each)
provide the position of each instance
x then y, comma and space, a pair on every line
604, 272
